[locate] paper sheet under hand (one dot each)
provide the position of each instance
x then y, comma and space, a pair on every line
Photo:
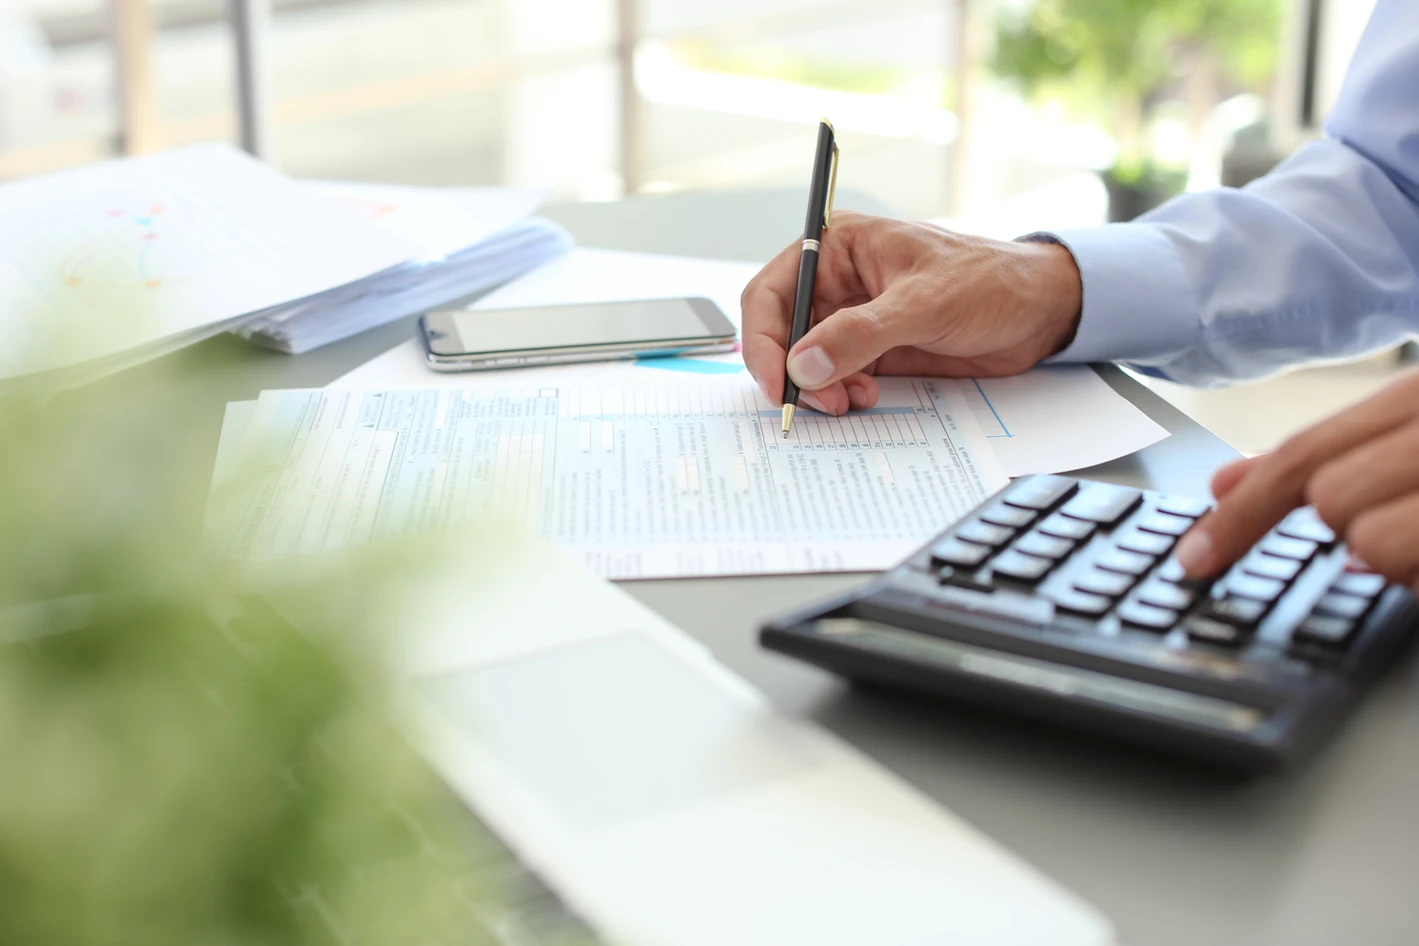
638, 481
1058, 418
1049, 420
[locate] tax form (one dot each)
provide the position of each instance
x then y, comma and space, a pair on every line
638, 481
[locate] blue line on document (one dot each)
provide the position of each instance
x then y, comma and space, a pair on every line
993, 411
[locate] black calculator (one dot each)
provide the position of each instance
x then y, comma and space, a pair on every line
1059, 598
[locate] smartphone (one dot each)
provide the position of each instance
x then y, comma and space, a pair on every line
478, 339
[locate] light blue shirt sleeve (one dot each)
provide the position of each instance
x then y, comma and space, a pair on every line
1317, 260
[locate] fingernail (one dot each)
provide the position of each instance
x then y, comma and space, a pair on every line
810, 368
807, 398
1194, 553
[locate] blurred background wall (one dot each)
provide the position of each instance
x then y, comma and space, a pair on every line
994, 113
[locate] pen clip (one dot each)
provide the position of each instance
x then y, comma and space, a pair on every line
832, 184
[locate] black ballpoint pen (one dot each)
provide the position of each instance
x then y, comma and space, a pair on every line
820, 209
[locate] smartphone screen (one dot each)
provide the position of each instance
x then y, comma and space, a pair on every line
571, 326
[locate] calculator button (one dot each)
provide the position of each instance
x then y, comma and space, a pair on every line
955, 552
1172, 571
1324, 630
1081, 602
1045, 546
1243, 612
1040, 492
1145, 615
1146, 543
1286, 547
961, 578
1013, 564
1164, 595
1102, 503
1011, 516
1361, 584
1243, 585
1103, 583
1164, 524
1303, 523
1121, 560
983, 533
1213, 632
1342, 606
1183, 506
1067, 528
1269, 566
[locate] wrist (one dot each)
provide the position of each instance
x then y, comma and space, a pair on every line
1055, 293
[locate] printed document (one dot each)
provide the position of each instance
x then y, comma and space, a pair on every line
637, 481
138, 256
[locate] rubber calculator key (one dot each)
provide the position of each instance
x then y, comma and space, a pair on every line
1040, 492
1284, 546
1202, 628
1243, 585
1269, 566
1020, 567
1099, 582
953, 551
1045, 546
1243, 612
1146, 543
1064, 527
1121, 560
1342, 606
1303, 523
1011, 516
1081, 602
1360, 584
1183, 506
1319, 629
1146, 615
1102, 503
984, 533
1164, 595
1164, 524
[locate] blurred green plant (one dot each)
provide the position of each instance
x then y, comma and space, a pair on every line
1117, 60
178, 764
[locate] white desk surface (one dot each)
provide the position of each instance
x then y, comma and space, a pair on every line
1178, 856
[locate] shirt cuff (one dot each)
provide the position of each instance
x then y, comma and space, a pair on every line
1138, 300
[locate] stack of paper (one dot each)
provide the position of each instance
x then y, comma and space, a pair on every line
104, 266
467, 240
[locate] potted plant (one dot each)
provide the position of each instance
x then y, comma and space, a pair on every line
1122, 61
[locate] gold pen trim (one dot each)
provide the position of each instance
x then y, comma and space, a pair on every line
787, 418
832, 184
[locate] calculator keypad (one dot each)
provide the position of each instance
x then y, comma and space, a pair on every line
1100, 554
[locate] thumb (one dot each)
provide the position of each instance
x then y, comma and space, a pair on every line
844, 343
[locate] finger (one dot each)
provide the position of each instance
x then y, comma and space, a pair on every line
767, 306
1230, 475
1384, 538
1277, 482
862, 391
1370, 475
833, 399
847, 341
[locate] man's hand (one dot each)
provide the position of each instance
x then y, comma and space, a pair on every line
908, 298
1360, 469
